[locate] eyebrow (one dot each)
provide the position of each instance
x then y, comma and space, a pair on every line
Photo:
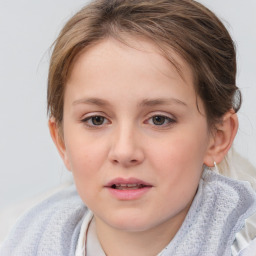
91, 101
161, 101
144, 103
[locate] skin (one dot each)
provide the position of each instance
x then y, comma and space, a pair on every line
129, 88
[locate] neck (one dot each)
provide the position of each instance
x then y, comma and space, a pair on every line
150, 242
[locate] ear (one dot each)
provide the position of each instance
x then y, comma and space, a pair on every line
222, 139
58, 139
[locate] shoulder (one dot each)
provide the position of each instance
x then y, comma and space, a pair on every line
48, 228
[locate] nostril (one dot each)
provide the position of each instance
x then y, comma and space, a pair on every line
115, 161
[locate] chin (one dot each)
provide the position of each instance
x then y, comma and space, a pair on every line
131, 223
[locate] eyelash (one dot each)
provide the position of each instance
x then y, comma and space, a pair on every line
167, 121
88, 121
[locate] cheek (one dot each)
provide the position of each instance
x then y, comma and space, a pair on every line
85, 157
178, 172
86, 160
179, 152
82, 149
178, 162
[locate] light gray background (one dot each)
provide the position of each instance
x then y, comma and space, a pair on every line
29, 163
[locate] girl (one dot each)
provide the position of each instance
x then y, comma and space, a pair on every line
142, 102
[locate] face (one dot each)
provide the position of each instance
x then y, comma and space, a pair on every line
133, 136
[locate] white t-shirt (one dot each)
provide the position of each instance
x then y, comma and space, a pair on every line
88, 243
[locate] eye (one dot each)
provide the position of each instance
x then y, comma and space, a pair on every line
160, 120
95, 121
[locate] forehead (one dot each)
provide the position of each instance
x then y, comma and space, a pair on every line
137, 61
129, 48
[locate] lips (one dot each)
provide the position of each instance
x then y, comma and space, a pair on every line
128, 189
127, 184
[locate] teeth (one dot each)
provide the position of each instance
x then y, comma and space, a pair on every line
128, 186
132, 185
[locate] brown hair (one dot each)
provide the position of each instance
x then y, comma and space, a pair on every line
185, 26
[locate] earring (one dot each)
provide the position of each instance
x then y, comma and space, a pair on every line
216, 169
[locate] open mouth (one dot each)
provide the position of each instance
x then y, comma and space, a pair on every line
128, 186
127, 189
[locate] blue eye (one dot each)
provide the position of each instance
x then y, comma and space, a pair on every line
160, 120
95, 120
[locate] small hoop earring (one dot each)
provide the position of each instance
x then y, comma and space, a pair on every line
216, 169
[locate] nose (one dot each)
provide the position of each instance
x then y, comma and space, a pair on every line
126, 147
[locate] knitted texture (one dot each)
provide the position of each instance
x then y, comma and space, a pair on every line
49, 229
217, 213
